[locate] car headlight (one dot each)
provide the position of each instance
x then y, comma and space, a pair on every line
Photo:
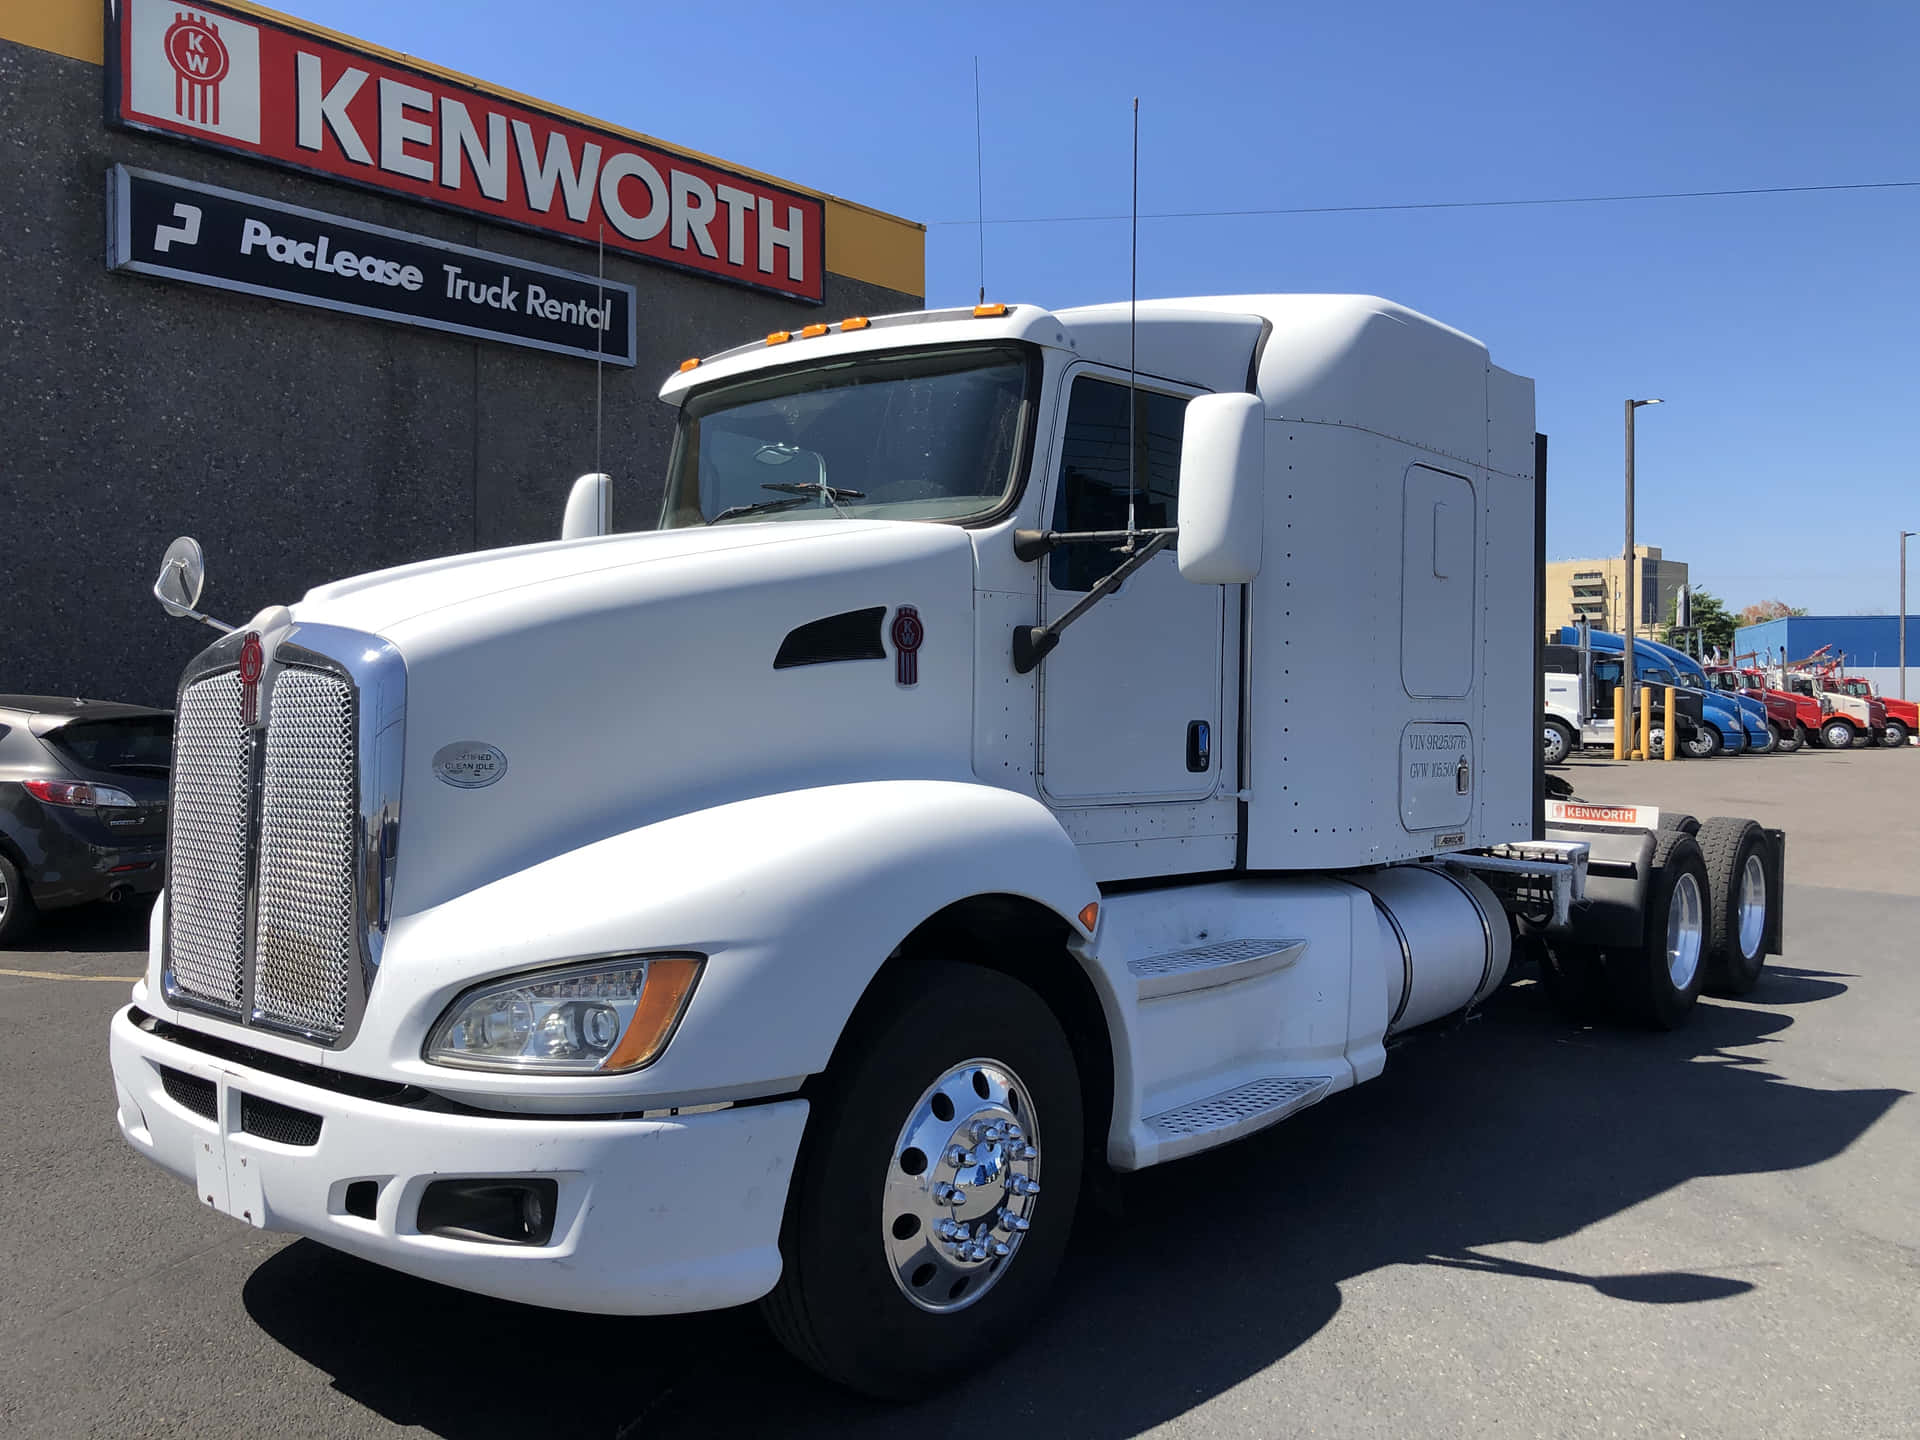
603, 1017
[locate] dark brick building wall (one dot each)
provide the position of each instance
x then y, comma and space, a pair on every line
299, 445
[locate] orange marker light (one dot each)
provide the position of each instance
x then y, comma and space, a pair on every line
812, 332
1089, 915
693, 364
855, 322
662, 998
779, 337
989, 312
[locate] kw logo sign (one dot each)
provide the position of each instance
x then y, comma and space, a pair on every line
187, 66
200, 62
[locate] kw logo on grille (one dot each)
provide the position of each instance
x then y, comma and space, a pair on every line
253, 659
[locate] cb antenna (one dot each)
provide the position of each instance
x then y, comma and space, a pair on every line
979, 183
1133, 305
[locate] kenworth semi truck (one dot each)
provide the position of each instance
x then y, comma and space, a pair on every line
792, 902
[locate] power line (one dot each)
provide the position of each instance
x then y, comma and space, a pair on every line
1443, 204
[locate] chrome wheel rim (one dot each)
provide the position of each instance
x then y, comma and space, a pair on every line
1557, 746
1753, 905
1684, 931
1657, 741
960, 1186
1839, 737
6, 898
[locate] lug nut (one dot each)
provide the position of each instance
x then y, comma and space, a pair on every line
945, 1194
1021, 1185
1013, 1224
1014, 1132
1001, 1249
1027, 1152
957, 1156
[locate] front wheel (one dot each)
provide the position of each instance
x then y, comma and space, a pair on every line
1702, 744
1763, 747
1836, 735
1556, 738
1788, 741
1895, 735
917, 1241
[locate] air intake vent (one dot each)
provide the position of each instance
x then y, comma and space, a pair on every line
271, 1120
190, 1091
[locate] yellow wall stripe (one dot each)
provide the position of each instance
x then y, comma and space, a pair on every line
862, 243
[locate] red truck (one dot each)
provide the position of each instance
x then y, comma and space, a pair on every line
1902, 717
1792, 718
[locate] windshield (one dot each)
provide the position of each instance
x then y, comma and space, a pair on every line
1726, 680
1858, 689
933, 435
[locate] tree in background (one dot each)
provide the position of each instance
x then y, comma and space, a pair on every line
1711, 618
1769, 610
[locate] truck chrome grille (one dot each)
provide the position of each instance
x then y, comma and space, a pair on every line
306, 947
209, 842
281, 841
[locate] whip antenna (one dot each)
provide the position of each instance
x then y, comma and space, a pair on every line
1133, 303
599, 344
979, 183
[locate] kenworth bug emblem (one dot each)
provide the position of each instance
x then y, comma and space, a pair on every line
253, 659
908, 632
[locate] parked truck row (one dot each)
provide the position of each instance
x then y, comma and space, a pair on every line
1723, 708
797, 902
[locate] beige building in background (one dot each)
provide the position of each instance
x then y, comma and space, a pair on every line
1596, 590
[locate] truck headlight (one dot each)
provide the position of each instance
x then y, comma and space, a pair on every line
607, 1016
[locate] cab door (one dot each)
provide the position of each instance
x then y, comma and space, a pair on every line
1130, 701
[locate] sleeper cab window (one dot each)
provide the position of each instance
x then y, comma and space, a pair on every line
1092, 489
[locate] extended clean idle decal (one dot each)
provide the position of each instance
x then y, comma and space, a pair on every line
469, 764
907, 635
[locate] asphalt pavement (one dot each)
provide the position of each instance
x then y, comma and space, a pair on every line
1524, 1228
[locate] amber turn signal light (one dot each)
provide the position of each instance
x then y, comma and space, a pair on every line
693, 364
855, 322
812, 332
779, 337
989, 311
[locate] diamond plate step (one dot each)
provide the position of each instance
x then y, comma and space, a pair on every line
1206, 966
1216, 1119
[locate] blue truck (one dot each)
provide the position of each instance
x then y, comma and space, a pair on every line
1725, 729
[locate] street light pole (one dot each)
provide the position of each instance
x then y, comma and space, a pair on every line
1631, 612
1903, 610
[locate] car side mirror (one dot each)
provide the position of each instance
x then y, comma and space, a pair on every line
589, 507
1223, 479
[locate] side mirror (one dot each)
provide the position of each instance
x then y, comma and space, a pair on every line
1223, 479
183, 574
589, 507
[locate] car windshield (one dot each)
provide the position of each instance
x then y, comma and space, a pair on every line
928, 435
137, 745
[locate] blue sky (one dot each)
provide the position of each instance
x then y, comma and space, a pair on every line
1780, 329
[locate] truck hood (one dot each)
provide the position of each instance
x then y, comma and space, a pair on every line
627, 679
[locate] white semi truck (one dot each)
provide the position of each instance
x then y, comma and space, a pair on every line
791, 902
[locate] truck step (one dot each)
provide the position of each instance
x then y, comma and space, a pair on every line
1208, 966
1216, 1119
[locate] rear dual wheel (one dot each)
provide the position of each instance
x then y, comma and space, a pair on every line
918, 1243
1657, 982
1741, 896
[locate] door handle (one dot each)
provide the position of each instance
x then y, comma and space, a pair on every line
1199, 746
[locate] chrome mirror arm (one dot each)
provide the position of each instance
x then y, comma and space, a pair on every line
184, 612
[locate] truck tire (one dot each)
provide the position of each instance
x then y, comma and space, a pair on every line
1764, 747
1741, 904
1657, 983
879, 1291
1836, 735
1702, 744
1679, 820
1895, 735
1557, 737
16, 904
1787, 741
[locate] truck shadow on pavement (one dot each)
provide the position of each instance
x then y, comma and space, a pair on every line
1514, 1128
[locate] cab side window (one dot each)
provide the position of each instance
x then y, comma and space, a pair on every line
1092, 490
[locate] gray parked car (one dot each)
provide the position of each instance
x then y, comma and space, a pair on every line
83, 804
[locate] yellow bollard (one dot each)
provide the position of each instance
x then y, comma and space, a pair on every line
1673, 730
1645, 749
1619, 722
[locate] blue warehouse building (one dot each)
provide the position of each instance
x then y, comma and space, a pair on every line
1871, 644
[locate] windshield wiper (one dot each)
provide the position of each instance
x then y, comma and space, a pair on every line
796, 493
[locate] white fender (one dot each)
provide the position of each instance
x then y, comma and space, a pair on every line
795, 898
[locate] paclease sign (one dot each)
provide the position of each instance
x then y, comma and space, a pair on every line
241, 82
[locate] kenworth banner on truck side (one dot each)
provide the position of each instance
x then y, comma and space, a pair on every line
239, 82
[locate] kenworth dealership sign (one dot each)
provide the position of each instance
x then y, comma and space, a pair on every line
240, 82
158, 225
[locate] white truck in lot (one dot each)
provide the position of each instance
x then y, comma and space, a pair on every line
791, 902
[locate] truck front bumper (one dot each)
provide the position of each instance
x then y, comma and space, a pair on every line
655, 1216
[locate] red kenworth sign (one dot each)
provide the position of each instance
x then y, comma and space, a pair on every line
238, 81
